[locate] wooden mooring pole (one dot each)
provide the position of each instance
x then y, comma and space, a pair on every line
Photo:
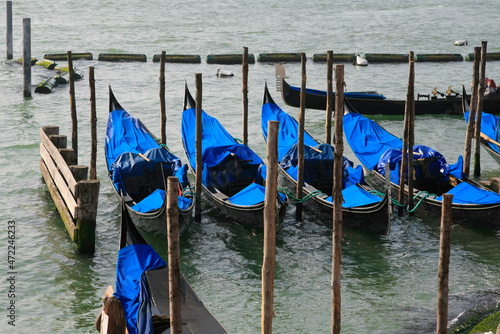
199, 130
163, 121
72, 99
174, 272
337, 198
410, 105
270, 220
300, 143
27, 57
479, 112
93, 126
329, 97
8, 9
472, 112
245, 95
444, 264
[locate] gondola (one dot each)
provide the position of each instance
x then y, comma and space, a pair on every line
138, 167
490, 126
361, 208
142, 286
233, 175
372, 103
473, 204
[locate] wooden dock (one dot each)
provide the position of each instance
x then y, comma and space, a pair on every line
74, 195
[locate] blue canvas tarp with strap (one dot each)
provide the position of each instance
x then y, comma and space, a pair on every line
490, 126
131, 287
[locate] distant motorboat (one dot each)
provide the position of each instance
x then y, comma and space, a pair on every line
461, 42
360, 61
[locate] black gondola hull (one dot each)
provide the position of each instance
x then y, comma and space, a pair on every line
438, 106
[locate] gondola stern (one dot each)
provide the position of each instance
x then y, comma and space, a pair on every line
113, 102
189, 102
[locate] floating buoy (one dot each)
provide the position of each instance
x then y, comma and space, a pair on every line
224, 73
45, 87
122, 57
64, 56
47, 63
277, 57
33, 61
60, 79
360, 61
77, 74
461, 42
439, 57
489, 56
178, 58
337, 57
386, 58
229, 59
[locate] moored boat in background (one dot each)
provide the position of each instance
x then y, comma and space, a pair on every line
372, 103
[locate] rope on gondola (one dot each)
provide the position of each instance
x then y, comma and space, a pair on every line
420, 201
190, 191
298, 200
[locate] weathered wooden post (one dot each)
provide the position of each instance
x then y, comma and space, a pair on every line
472, 112
87, 196
72, 99
10, 52
245, 95
410, 101
300, 143
388, 187
270, 218
337, 197
199, 130
163, 122
93, 126
329, 97
479, 112
174, 272
27, 57
444, 264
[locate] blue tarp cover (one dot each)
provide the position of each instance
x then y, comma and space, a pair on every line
438, 168
133, 261
217, 143
251, 195
367, 139
490, 126
355, 197
288, 131
125, 133
465, 193
156, 200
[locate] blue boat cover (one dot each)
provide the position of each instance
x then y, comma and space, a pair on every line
288, 131
317, 164
368, 140
438, 168
217, 143
490, 126
126, 137
124, 134
358, 95
131, 286
363, 135
465, 193
251, 195
156, 200
356, 197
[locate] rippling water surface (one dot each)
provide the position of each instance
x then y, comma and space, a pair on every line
389, 284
